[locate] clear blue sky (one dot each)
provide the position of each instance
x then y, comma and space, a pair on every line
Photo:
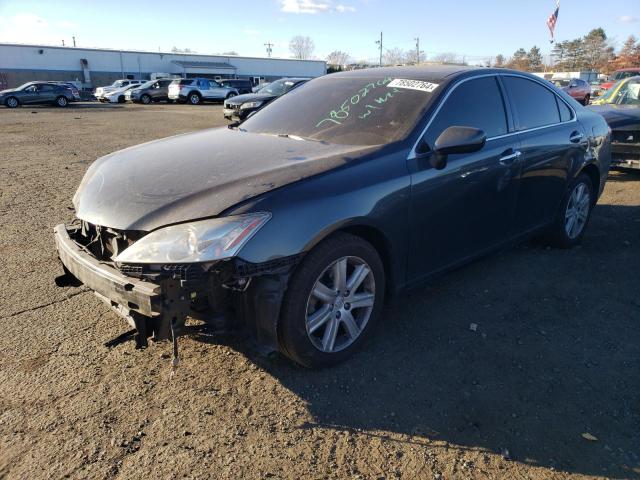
474, 28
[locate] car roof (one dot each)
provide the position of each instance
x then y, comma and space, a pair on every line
629, 69
422, 72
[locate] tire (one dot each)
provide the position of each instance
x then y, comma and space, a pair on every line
169, 100
12, 102
311, 344
580, 199
586, 100
229, 95
194, 98
145, 99
62, 101
121, 99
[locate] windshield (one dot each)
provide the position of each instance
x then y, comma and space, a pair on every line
278, 87
560, 82
625, 92
348, 110
622, 75
24, 85
118, 83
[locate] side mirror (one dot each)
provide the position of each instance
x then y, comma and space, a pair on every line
456, 140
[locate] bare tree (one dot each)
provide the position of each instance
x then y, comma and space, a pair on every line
182, 50
446, 57
394, 56
499, 61
301, 47
338, 57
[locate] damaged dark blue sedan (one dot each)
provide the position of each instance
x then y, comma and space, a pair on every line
299, 222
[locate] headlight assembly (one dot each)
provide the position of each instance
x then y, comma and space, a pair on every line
201, 241
250, 105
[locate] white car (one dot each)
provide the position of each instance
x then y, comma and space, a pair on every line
101, 91
117, 96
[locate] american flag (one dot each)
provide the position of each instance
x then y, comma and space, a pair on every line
553, 19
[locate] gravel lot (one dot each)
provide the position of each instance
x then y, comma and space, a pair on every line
556, 353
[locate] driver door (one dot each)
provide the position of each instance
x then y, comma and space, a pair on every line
29, 94
467, 207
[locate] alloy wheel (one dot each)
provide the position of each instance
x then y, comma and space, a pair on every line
340, 304
12, 102
577, 212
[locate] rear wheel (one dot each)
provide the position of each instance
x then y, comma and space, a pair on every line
194, 98
573, 217
121, 99
586, 100
62, 101
146, 99
12, 102
334, 298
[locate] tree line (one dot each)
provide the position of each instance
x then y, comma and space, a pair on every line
593, 52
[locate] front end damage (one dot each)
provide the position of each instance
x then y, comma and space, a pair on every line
156, 300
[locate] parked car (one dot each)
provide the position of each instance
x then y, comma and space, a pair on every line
101, 91
241, 85
577, 88
119, 95
198, 90
357, 184
596, 89
152, 91
260, 86
620, 106
242, 106
32, 93
620, 75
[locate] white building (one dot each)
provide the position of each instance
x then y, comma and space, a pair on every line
94, 67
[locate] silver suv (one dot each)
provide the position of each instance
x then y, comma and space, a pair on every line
198, 90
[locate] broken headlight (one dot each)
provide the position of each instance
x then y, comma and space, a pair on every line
201, 241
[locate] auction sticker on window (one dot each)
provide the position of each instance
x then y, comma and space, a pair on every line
413, 84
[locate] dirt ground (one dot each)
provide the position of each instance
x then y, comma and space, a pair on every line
556, 353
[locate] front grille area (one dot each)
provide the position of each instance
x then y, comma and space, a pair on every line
105, 243
626, 136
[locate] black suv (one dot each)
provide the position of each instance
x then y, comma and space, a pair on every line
242, 85
33, 93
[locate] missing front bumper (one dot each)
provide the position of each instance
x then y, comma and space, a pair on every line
153, 309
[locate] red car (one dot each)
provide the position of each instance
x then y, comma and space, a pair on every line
577, 88
620, 75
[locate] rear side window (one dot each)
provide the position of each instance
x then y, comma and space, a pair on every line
565, 111
535, 105
184, 82
475, 103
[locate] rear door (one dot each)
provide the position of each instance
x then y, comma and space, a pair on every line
467, 207
551, 139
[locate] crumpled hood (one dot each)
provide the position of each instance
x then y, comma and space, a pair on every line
618, 115
197, 175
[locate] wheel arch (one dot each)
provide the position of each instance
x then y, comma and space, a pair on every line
593, 172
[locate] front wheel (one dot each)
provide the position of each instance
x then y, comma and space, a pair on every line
573, 217
12, 102
61, 101
586, 100
145, 99
334, 298
230, 95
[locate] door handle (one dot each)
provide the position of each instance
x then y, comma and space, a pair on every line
576, 137
508, 158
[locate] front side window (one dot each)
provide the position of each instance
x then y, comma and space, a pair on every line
475, 103
535, 105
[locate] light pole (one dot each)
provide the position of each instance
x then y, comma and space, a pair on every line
379, 43
269, 46
417, 39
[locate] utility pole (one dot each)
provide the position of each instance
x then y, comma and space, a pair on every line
74, 40
63, 42
269, 46
379, 43
417, 39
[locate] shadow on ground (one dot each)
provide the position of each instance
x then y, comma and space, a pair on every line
554, 356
